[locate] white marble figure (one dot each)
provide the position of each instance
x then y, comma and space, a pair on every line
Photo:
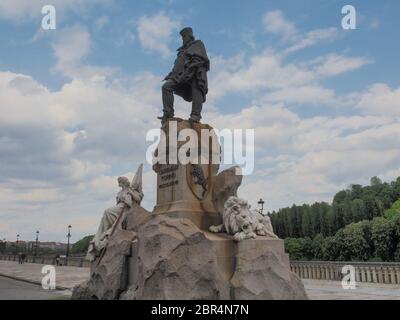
129, 194
242, 222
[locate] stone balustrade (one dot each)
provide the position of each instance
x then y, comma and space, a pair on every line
375, 272
74, 261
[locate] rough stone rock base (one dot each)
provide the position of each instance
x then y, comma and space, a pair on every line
174, 259
168, 258
109, 272
108, 276
262, 272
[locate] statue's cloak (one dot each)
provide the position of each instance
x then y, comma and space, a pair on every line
196, 67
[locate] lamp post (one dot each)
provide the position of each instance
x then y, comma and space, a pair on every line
261, 205
3, 245
68, 236
16, 245
36, 242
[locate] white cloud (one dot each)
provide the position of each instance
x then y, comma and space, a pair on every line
334, 64
263, 71
101, 22
380, 99
71, 47
268, 74
312, 95
275, 22
313, 37
155, 32
54, 146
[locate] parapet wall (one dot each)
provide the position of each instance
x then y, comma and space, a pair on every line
374, 272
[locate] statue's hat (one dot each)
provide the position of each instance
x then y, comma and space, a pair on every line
187, 30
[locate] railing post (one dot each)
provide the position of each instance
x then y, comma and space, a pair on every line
364, 276
392, 276
387, 275
369, 278
357, 271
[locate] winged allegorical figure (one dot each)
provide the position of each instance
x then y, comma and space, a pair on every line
129, 194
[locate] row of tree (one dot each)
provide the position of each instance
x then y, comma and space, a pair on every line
367, 240
82, 245
357, 203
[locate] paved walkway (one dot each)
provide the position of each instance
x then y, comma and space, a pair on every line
20, 290
68, 277
332, 290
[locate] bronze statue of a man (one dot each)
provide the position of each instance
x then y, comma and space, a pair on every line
188, 77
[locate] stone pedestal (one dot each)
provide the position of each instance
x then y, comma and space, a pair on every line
173, 259
179, 191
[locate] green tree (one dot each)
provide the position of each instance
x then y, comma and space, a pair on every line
330, 249
347, 212
382, 234
355, 244
394, 211
358, 210
82, 245
340, 196
317, 247
356, 191
396, 242
299, 248
306, 225
375, 181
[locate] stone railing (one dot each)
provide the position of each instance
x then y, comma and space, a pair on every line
73, 261
376, 272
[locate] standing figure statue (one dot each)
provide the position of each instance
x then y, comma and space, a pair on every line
188, 77
128, 194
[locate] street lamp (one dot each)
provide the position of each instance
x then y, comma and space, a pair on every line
16, 244
36, 244
3, 245
68, 236
261, 205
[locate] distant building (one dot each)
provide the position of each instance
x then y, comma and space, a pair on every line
30, 245
52, 245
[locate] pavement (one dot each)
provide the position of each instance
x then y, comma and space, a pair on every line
332, 290
11, 289
24, 282
66, 277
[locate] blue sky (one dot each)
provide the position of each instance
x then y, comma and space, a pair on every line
76, 102
220, 24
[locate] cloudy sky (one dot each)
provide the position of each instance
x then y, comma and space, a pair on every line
76, 102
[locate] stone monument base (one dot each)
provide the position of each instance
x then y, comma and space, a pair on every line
202, 220
174, 259
163, 257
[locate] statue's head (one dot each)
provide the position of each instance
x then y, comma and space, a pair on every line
123, 182
187, 35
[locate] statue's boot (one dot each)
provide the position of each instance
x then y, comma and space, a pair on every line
194, 117
165, 117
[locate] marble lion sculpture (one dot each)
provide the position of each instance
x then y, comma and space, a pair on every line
239, 220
